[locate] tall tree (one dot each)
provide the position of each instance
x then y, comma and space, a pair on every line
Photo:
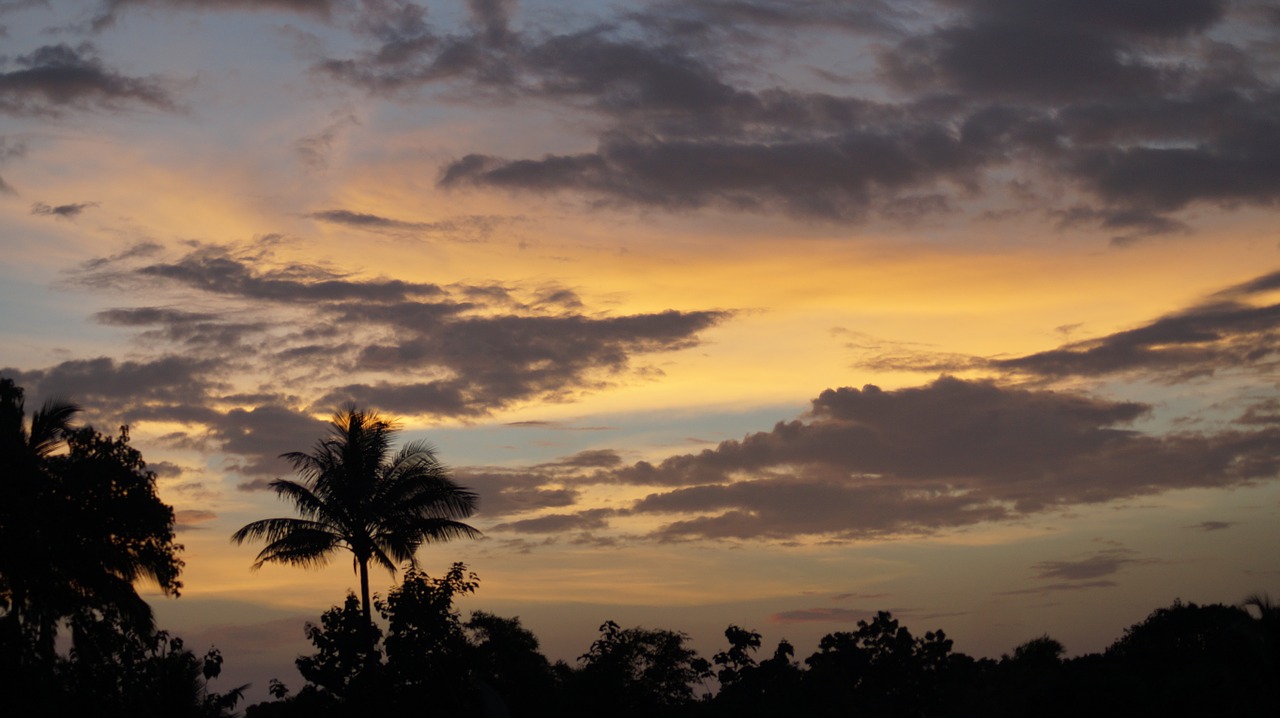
77, 527
355, 495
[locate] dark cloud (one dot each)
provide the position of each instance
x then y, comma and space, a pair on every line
1097, 565
191, 329
1234, 329
406, 348
64, 211
465, 228
1226, 332
505, 492
190, 519
259, 435
1140, 106
591, 519
949, 454
122, 388
1069, 586
165, 469
56, 78
1214, 525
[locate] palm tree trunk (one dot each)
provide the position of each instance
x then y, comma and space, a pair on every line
364, 592
365, 606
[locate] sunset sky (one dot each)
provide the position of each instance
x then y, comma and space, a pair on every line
738, 311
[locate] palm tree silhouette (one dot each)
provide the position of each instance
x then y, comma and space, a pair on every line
355, 496
24, 487
77, 527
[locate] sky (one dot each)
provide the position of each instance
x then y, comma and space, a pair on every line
743, 312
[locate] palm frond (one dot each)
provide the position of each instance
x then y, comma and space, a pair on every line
308, 504
273, 530
436, 530
49, 423
303, 547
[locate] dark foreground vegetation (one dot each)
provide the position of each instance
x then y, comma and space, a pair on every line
80, 523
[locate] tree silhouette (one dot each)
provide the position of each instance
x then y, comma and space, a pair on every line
355, 495
638, 672
77, 528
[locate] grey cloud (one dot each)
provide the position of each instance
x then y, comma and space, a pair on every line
104, 384
165, 469
189, 519
1136, 104
64, 211
836, 177
215, 269
1103, 563
1068, 586
1214, 525
1232, 329
560, 523
259, 435
408, 348
510, 492
1199, 341
949, 454
55, 78
191, 329
464, 228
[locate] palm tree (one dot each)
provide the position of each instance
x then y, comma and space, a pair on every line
354, 495
25, 489
77, 527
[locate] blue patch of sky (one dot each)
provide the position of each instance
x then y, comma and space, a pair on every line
661, 433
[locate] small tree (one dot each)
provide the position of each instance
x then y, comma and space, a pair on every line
636, 671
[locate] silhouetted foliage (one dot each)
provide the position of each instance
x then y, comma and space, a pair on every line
768, 688
880, 669
1183, 660
637, 672
1174, 656
346, 663
505, 660
115, 671
427, 650
355, 495
80, 523
427, 657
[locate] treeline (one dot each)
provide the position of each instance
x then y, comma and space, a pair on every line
1185, 659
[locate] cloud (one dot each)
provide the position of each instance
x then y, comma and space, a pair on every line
1097, 565
408, 348
953, 453
56, 78
1234, 329
592, 519
125, 388
190, 519
1142, 109
466, 228
63, 211
1214, 525
1050, 588
1228, 331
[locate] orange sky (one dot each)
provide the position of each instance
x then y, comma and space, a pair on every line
643, 236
